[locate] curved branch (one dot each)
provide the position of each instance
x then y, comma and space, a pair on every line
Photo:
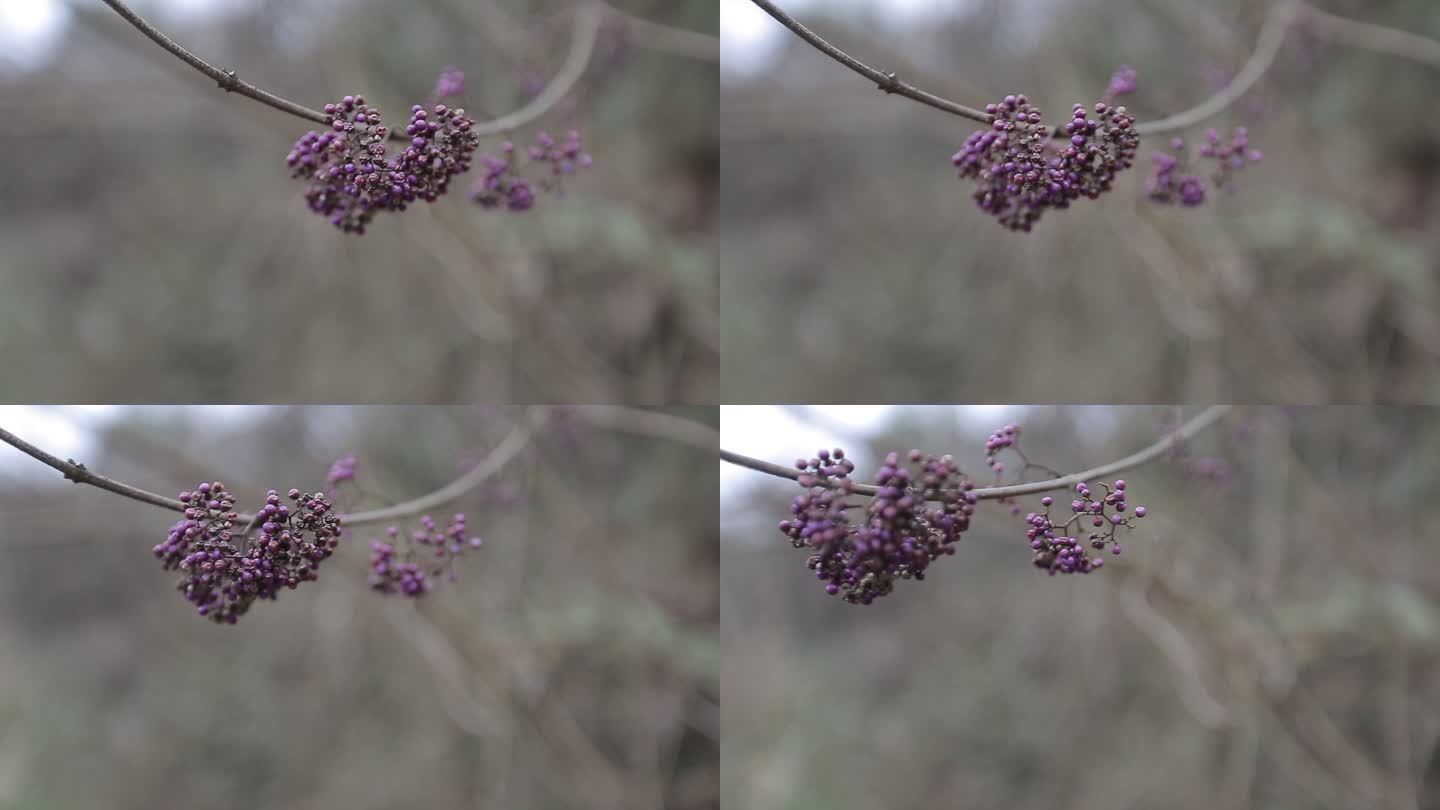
649, 423
582, 44
587, 27
885, 81
496, 459
1208, 417
1281, 15
225, 79
503, 453
666, 38
77, 472
1372, 37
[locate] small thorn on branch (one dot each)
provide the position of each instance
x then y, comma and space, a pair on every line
78, 475
891, 84
230, 82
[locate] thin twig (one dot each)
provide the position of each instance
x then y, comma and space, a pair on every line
587, 27
1208, 417
503, 453
888, 82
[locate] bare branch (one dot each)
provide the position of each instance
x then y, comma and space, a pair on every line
1281, 15
1208, 417
496, 459
888, 82
650, 423
587, 26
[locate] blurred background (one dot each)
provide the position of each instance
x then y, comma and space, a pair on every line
1270, 636
574, 664
146, 214
848, 241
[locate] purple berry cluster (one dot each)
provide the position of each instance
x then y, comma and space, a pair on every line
1058, 548
343, 469
451, 82
1122, 82
902, 533
411, 569
350, 176
223, 572
503, 184
1020, 172
1173, 181
999, 441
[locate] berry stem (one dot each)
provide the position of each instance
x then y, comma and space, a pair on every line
1205, 419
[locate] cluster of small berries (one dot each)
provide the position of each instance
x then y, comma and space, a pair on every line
450, 82
223, 574
343, 469
1174, 182
1020, 173
903, 531
1122, 82
1058, 551
998, 442
503, 184
422, 557
350, 176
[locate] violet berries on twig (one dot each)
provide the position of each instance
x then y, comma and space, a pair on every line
350, 176
504, 184
223, 571
901, 533
409, 565
1058, 548
1020, 172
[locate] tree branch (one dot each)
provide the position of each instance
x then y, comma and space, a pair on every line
1282, 14
582, 44
496, 459
1208, 417
1372, 37
666, 38
888, 82
649, 423
587, 26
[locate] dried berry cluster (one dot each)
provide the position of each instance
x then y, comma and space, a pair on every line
1020, 172
350, 176
503, 184
223, 574
425, 555
1059, 549
1174, 182
901, 535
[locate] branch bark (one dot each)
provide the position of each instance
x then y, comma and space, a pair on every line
1205, 419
